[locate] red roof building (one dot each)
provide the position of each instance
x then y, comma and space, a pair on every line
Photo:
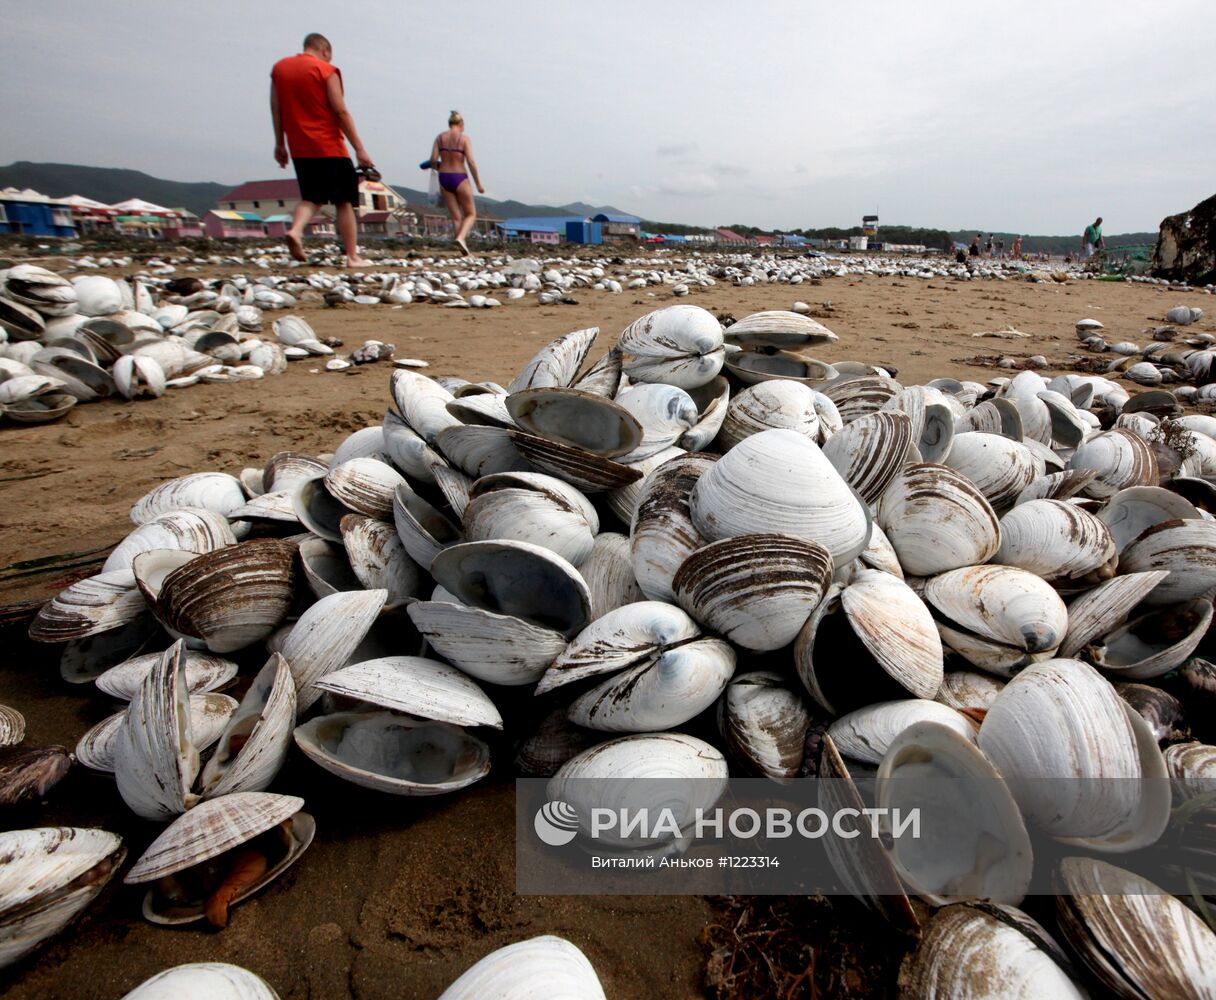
728, 236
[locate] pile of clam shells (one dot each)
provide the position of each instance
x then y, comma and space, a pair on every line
66, 342
704, 552
1185, 361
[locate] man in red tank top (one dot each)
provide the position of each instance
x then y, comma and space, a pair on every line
310, 118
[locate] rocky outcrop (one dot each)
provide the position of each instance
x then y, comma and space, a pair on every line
1186, 245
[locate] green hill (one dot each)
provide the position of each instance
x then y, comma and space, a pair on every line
111, 184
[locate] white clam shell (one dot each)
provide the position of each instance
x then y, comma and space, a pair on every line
1105, 607
768, 405
1186, 548
531, 507
963, 938
204, 981
778, 481
426, 689
190, 529
870, 450
204, 673
1056, 540
89, 607
378, 559
326, 635
478, 451
1153, 644
393, 753
1119, 458
557, 363
498, 649
756, 590
516, 971
1061, 720
764, 722
155, 759
1137, 939
608, 572
214, 491
1001, 468
422, 402
967, 689
855, 396
516, 578
665, 413
983, 848
578, 419
424, 531
43, 883
866, 733
680, 345
254, 744
877, 618
662, 534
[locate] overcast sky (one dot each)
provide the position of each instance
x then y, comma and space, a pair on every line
1031, 116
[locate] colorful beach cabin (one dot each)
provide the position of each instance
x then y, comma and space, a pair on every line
618, 228
31, 213
228, 225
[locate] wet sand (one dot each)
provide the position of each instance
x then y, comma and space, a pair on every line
397, 897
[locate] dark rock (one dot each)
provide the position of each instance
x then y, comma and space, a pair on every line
1186, 245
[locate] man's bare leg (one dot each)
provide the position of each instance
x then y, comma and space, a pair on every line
295, 235
348, 229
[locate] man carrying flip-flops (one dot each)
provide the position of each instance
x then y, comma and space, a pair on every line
310, 117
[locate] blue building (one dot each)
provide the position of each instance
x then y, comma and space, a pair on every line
619, 227
538, 228
29, 213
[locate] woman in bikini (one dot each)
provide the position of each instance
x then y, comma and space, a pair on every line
449, 155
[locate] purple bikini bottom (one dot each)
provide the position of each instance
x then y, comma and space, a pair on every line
451, 181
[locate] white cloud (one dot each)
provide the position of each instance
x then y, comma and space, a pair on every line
688, 185
677, 149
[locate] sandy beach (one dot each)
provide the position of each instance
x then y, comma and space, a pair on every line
398, 896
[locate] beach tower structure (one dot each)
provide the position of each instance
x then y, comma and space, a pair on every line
869, 225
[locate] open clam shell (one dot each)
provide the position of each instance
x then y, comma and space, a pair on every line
866, 733
326, 635
711, 400
982, 848
1105, 607
1120, 458
394, 753
498, 649
1020, 959
969, 691
1186, 548
557, 363
97, 604
530, 507
1192, 769
407, 450
680, 345
378, 559
665, 413
209, 714
870, 450
779, 481
998, 618
231, 597
185, 528
1153, 644
778, 328
932, 420
871, 640
584, 469
255, 742
424, 531
1132, 511
937, 520
422, 402
582, 420
203, 673
49, 875
514, 972
764, 723
215, 831
756, 590
1057, 485
426, 689
1135, 938
516, 578
155, 758
1057, 541
1082, 764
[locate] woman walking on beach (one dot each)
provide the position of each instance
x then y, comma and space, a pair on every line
451, 152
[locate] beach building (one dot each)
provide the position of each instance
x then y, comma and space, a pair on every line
280, 197
186, 225
548, 229
619, 228
728, 236
225, 224
277, 225
90, 215
31, 213
869, 225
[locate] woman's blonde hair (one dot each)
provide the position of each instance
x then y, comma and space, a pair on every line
455, 118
